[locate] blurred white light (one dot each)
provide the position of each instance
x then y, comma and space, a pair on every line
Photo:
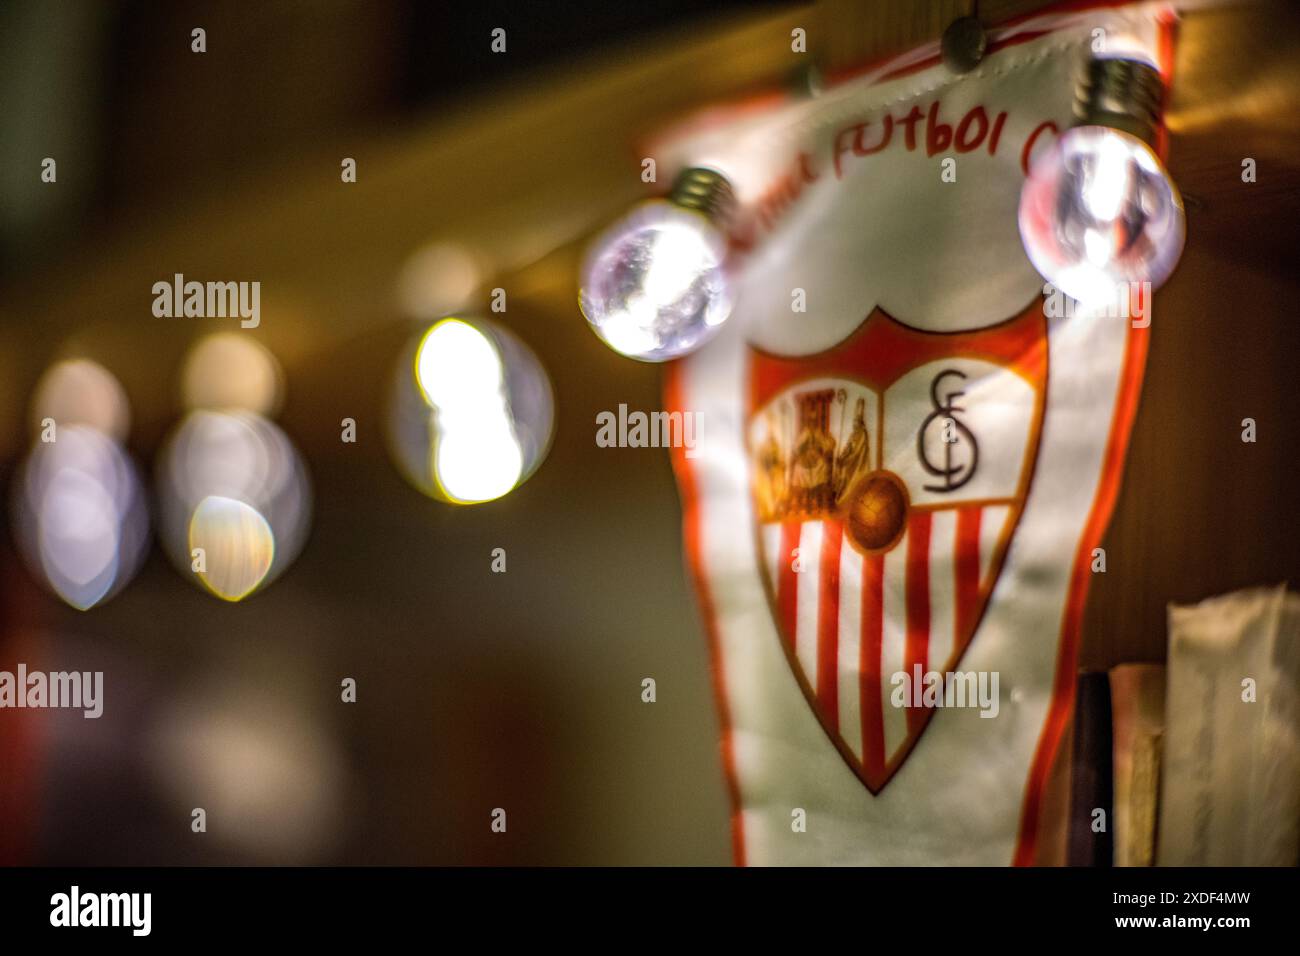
654, 286
80, 514
472, 413
478, 467
457, 365
78, 527
1098, 211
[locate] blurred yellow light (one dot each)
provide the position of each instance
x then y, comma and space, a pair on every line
436, 279
238, 546
232, 370
82, 392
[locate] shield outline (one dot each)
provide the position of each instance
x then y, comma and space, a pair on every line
1027, 331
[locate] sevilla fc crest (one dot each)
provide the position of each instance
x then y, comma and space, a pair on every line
888, 476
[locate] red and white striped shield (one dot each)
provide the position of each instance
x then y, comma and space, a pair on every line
888, 475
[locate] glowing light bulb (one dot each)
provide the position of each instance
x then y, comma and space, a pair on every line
1098, 211
655, 285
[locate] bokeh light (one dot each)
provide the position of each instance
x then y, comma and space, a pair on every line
80, 514
231, 485
232, 370
238, 542
436, 279
234, 495
1097, 212
654, 285
472, 411
82, 392
261, 765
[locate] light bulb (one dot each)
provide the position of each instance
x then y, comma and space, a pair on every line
1098, 211
655, 285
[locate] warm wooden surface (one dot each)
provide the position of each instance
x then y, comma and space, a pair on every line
853, 32
1200, 512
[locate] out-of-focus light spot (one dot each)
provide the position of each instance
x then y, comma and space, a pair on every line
82, 392
472, 412
1098, 213
268, 771
1107, 182
634, 336
80, 514
238, 546
654, 285
457, 366
674, 263
232, 483
436, 279
478, 467
78, 526
459, 371
1092, 285
232, 370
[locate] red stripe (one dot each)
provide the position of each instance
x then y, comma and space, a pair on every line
787, 588
828, 625
966, 574
873, 727
1067, 655
917, 647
